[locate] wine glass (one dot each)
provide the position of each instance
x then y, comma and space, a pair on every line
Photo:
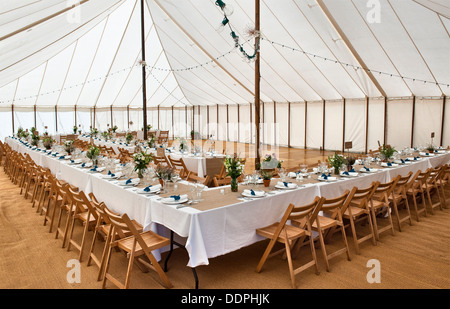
255, 177
175, 178
282, 173
304, 168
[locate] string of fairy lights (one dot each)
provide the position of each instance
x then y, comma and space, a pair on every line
214, 60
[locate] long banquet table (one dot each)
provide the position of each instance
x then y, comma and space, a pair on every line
223, 222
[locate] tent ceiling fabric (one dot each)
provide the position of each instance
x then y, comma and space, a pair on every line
87, 53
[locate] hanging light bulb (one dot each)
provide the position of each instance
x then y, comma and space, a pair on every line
226, 8
222, 25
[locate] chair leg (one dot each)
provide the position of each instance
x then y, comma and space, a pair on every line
344, 238
355, 237
291, 267
265, 255
324, 251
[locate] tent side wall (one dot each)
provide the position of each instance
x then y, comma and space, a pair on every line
400, 122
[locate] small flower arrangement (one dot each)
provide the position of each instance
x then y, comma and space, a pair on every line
47, 141
141, 161
151, 141
129, 137
94, 132
386, 152
234, 167
35, 139
431, 148
183, 143
69, 147
93, 153
114, 129
106, 135
164, 172
74, 129
336, 161
19, 132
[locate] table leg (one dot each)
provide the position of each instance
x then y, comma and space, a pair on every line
172, 242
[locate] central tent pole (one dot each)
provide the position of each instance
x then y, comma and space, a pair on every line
257, 87
144, 90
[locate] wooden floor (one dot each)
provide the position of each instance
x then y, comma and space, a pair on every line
291, 157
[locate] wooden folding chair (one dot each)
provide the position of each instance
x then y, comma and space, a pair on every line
135, 246
357, 209
431, 187
221, 182
379, 204
442, 182
398, 197
161, 160
414, 190
103, 230
84, 212
288, 235
179, 165
203, 180
326, 225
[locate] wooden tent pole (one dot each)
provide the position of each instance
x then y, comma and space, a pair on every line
144, 88
257, 86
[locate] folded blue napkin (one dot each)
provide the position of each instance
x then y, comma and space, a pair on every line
345, 173
147, 189
324, 176
83, 165
406, 160
175, 197
72, 161
286, 184
62, 157
128, 181
252, 192
111, 174
352, 170
94, 169
367, 169
389, 164
403, 161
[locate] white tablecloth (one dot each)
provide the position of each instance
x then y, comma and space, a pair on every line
221, 230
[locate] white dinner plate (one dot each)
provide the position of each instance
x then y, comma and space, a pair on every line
329, 178
171, 201
350, 174
141, 191
252, 196
283, 187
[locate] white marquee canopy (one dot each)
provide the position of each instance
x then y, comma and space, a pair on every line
358, 56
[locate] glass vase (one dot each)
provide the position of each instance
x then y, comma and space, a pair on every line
234, 185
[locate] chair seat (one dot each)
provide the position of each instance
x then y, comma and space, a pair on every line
292, 232
325, 222
356, 211
152, 240
377, 204
105, 228
83, 216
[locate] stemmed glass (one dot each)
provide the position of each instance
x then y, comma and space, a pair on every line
175, 178
255, 177
282, 173
165, 178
